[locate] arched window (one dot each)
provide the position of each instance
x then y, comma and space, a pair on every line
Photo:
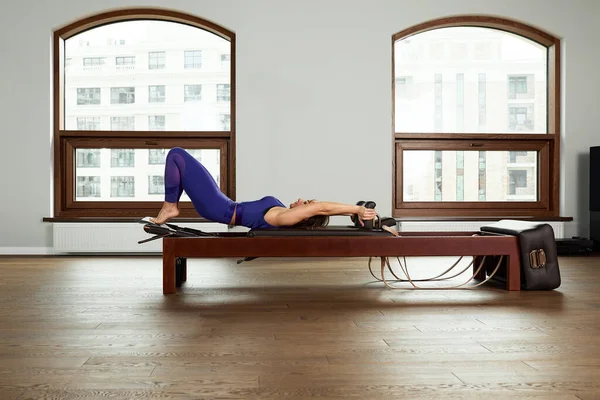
128, 86
476, 119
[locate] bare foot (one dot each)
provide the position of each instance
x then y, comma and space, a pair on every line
168, 211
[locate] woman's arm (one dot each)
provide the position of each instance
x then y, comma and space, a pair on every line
288, 217
331, 208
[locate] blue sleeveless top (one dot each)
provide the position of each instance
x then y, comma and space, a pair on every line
252, 213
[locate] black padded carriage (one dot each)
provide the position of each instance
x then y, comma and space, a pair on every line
326, 231
171, 230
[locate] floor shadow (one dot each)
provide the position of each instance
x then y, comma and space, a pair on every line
369, 296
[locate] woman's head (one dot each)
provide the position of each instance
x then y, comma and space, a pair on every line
299, 202
316, 221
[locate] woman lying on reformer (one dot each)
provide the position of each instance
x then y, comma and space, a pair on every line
184, 172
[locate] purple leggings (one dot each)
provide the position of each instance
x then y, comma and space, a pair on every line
184, 172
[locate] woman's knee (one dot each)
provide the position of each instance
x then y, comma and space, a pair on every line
176, 150
177, 154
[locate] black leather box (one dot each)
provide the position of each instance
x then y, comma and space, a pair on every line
537, 249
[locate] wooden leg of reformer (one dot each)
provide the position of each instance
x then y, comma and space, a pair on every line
168, 267
513, 272
183, 269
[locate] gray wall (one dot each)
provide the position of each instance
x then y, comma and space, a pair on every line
314, 93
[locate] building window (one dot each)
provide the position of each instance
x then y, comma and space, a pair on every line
156, 184
122, 123
193, 59
467, 64
197, 154
517, 156
136, 135
156, 122
156, 94
225, 121
401, 86
156, 60
123, 63
225, 61
520, 118
93, 62
517, 85
223, 92
88, 158
122, 95
437, 165
460, 175
86, 96
517, 179
122, 186
88, 186
88, 123
192, 92
125, 60
122, 158
157, 156
481, 176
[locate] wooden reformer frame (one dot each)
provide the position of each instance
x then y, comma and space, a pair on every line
474, 244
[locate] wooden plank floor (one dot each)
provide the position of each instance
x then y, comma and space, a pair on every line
95, 327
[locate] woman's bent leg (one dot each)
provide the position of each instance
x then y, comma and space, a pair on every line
184, 172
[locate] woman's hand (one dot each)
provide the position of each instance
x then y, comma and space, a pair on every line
365, 213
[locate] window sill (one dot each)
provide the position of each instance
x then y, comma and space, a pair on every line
399, 219
117, 220
483, 218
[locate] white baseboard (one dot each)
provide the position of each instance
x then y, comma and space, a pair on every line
19, 251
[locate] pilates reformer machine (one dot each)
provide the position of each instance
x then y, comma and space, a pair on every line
518, 254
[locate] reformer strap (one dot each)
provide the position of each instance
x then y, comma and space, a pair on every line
390, 230
386, 263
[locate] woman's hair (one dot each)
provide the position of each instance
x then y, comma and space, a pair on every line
316, 221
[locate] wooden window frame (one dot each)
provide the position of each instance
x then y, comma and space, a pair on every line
517, 208
125, 208
547, 145
65, 142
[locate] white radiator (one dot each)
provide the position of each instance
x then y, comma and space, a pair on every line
111, 237
462, 226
